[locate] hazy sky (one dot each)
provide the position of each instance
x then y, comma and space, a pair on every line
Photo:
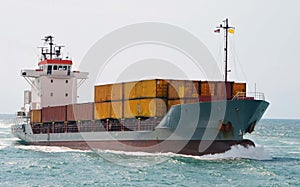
265, 49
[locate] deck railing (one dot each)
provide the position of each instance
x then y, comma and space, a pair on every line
249, 96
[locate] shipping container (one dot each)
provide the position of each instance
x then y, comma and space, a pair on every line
145, 108
192, 89
145, 89
129, 90
116, 110
239, 88
207, 88
109, 92
224, 89
35, 116
105, 110
80, 112
176, 89
54, 114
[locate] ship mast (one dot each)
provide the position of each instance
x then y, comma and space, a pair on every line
226, 29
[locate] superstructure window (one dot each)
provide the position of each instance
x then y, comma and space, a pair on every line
67, 81
51, 94
67, 94
51, 81
65, 68
55, 67
59, 67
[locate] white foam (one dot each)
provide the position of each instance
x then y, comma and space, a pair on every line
2, 132
238, 151
5, 125
137, 153
48, 149
3, 146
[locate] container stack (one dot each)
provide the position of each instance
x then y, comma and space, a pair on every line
139, 100
143, 99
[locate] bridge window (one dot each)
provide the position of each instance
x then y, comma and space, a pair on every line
59, 67
65, 68
55, 67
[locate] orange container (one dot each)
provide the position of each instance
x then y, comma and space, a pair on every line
207, 88
239, 88
35, 116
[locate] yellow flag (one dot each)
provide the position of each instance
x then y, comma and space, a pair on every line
231, 31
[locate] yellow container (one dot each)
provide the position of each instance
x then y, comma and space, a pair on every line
35, 116
145, 108
129, 90
116, 109
109, 92
145, 89
239, 87
207, 88
102, 110
106, 110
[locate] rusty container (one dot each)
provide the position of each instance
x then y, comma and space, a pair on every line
224, 89
176, 89
80, 112
207, 88
154, 107
54, 114
192, 89
183, 89
239, 88
35, 116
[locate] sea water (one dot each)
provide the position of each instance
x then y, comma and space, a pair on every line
275, 161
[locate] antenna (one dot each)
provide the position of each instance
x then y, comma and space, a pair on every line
49, 40
227, 29
57, 49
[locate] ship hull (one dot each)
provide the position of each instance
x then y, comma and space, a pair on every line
192, 129
191, 147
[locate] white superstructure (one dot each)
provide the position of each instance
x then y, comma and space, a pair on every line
53, 83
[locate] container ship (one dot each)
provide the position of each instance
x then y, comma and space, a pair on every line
193, 117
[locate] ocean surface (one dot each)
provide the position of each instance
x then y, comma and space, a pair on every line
275, 161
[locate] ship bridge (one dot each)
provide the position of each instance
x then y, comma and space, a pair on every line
53, 82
